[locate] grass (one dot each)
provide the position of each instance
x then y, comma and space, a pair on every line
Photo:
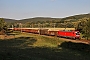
26, 46
42, 40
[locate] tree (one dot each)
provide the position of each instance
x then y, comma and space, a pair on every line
87, 29
88, 24
2, 24
83, 25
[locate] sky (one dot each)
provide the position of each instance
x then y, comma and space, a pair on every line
21, 9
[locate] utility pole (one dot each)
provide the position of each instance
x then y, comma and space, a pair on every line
12, 26
54, 25
32, 25
39, 28
21, 27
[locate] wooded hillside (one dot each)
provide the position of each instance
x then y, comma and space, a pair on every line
79, 22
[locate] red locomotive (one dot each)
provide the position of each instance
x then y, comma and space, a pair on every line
69, 34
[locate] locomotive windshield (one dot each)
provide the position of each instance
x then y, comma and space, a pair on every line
77, 33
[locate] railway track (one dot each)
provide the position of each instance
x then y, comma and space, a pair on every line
71, 40
55, 32
77, 41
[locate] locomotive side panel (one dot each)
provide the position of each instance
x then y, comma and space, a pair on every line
69, 34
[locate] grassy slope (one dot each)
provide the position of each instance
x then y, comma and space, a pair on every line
35, 47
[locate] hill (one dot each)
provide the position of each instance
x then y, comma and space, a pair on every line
80, 16
30, 19
75, 17
38, 19
9, 20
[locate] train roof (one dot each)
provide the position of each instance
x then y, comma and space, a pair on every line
49, 29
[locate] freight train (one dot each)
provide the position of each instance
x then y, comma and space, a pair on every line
67, 33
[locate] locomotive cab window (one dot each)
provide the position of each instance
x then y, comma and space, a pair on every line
77, 33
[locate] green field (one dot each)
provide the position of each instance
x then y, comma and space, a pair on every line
28, 46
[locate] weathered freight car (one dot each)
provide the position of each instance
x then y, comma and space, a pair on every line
43, 31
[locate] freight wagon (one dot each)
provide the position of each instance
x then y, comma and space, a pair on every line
43, 31
52, 33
